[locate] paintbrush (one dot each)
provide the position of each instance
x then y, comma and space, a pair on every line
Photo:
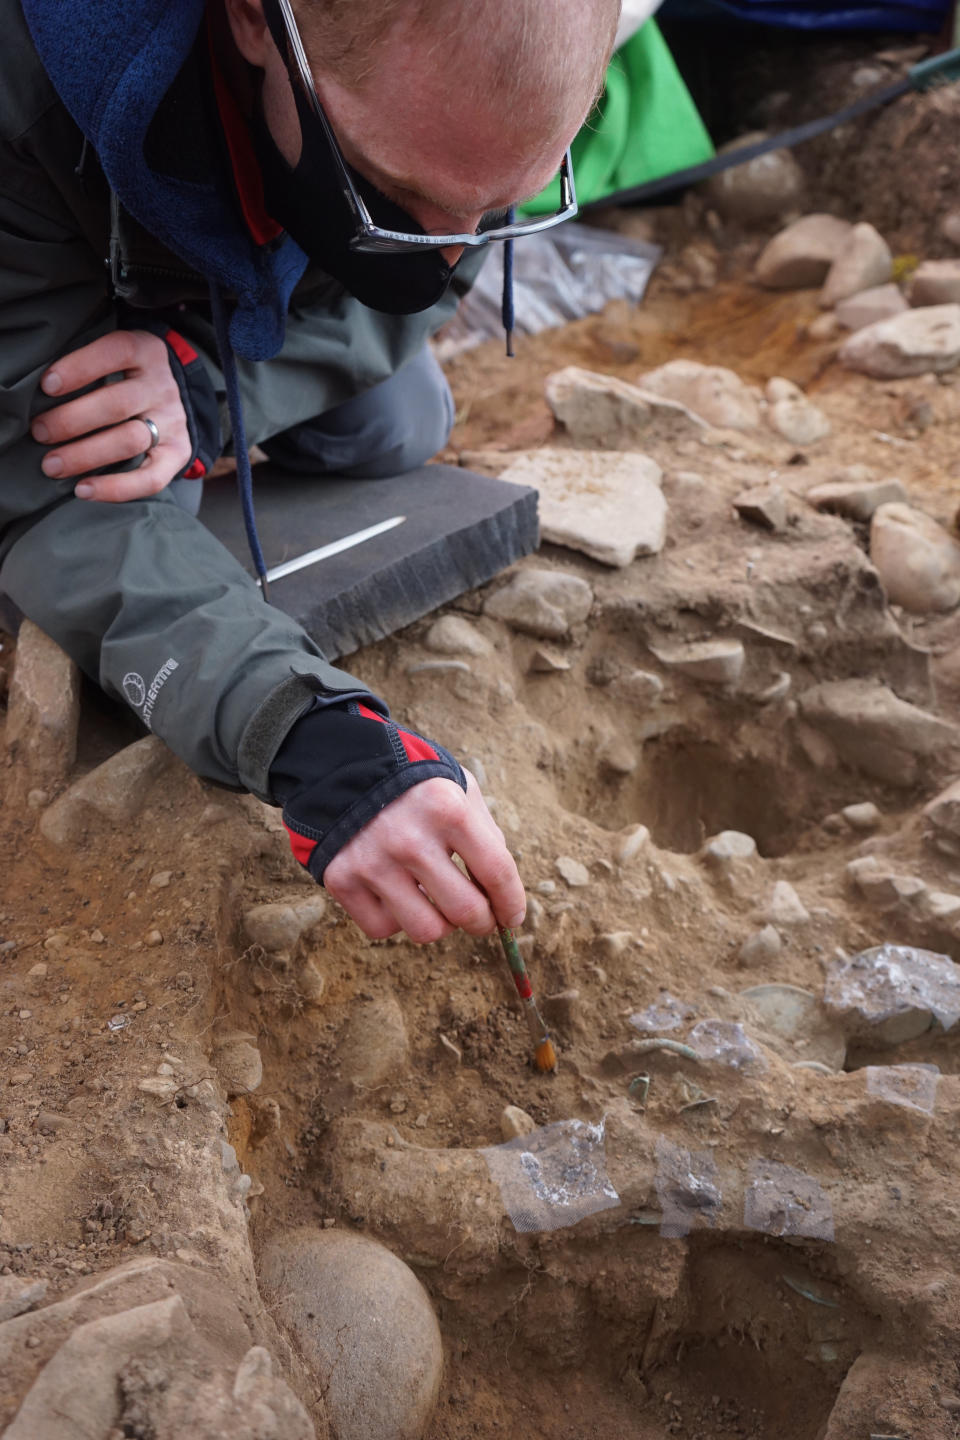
544, 1055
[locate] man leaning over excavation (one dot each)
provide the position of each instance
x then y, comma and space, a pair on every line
192, 201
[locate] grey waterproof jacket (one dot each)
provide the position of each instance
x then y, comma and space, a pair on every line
149, 604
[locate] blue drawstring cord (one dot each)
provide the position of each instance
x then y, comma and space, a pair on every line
228, 364
506, 309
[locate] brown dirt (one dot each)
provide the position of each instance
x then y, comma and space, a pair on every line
606, 1329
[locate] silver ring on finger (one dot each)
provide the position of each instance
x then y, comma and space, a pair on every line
154, 433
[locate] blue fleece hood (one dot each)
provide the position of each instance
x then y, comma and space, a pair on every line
111, 64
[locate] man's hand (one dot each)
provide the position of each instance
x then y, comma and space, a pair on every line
104, 428
387, 876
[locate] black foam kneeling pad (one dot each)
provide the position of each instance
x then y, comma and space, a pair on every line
459, 530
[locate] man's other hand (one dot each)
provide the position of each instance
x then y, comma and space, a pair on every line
398, 872
105, 427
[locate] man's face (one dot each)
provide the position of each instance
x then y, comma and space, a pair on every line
445, 160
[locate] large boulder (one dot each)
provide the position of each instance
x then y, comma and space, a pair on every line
876, 732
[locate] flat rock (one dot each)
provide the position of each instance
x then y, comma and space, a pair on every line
455, 635
572, 871
800, 256
857, 500
943, 811
364, 1324
544, 603
607, 505
603, 412
514, 1122
114, 792
764, 505
799, 421
863, 816
936, 282
714, 393
375, 1046
785, 908
917, 560
918, 342
43, 710
17, 1295
863, 262
799, 1021
879, 734
880, 302
758, 190
716, 662
728, 847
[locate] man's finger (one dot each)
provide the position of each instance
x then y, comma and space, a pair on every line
108, 447
150, 478
120, 350
455, 896
110, 405
481, 846
374, 917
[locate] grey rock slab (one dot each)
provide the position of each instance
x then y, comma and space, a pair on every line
114, 792
43, 710
18, 1295
455, 635
936, 282
857, 500
716, 662
716, 394
800, 256
603, 412
917, 560
799, 1018
545, 603
607, 505
763, 505
863, 262
365, 1326
880, 302
918, 342
879, 734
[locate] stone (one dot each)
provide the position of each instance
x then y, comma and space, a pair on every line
941, 907
607, 505
714, 393
632, 844
311, 983
617, 756
38, 971
115, 792
764, 505
918, 561
514, 1122
563, 1009
641, 688
43, 710
824, 327
17, 1295
936, 282
785, 908
857, 500
880, 302
778, 387
760, 948
544, 603
374, 1047
800, 256
715, 662
795, 1024
884, 889
943, 812
879, 734
547, 662
918, 342
454, 635
153, 938
950, 227
603, 412
161, 879
758, 190
862, 816
277, 928
365, 1326
239, 1065
891, 993
572, 871
729, 847
862, 263
799, 422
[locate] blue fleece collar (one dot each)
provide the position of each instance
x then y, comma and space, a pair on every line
111, 64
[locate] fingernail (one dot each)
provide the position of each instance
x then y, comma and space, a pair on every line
51, 465
51, 384
40, 432
83, 491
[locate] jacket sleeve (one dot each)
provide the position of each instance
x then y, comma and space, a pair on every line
142, 596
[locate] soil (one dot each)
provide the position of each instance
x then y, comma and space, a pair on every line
609, 1328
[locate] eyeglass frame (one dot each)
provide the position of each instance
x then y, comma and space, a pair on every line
372, 239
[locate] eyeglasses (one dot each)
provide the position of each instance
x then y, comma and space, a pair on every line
371, 238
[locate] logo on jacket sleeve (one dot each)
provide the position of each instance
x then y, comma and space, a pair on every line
144, 698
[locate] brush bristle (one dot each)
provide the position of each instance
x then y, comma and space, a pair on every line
545, 1057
